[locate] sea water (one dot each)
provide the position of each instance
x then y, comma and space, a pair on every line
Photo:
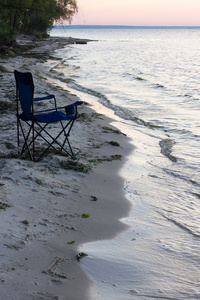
150, 78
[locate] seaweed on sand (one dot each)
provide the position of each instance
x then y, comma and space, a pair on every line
76, 166
7, 106
113, 143
81, 255
99, 160
3, 205
108, 129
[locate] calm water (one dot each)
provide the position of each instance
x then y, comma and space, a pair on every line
151, 79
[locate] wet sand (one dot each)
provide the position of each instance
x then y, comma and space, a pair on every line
43, 204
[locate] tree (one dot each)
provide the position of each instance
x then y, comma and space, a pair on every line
33, 16
43, 13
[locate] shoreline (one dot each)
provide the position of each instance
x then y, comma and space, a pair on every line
43, 226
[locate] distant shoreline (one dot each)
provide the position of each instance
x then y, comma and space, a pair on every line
123, 27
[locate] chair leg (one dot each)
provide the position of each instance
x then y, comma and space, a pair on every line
66, 137
38, 133
25, 145
33, 139
54, 140
67, 134
18, 149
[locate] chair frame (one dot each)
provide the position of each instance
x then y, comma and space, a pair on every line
39, 128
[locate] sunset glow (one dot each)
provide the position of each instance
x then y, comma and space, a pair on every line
138, 12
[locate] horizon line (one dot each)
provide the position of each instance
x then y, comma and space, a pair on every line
135, 26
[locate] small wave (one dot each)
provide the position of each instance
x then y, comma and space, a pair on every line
166, 146
187, 95
91, 92
146, 124
156, 85
60, 65
194, 182
196, 195
130, 75
139, 78
159, 296
184, 176
181, 225
159, 86
122, 112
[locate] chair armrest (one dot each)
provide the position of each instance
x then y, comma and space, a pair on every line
44, 98
72, 108
50, 109
68, 108
46, 110
78, 103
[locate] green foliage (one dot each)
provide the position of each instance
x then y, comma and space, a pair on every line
32, 16
6, 34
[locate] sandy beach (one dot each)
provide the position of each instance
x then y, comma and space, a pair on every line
43, 204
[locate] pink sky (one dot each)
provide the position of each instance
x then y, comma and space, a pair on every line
138, 12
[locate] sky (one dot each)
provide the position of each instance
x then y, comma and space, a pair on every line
138, 12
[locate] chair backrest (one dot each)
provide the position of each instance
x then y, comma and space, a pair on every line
25, 91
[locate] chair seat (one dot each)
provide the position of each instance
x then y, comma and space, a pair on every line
53, 117
49, 117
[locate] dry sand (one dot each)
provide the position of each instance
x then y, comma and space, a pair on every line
42, 203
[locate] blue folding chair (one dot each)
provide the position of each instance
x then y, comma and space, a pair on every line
34, 124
